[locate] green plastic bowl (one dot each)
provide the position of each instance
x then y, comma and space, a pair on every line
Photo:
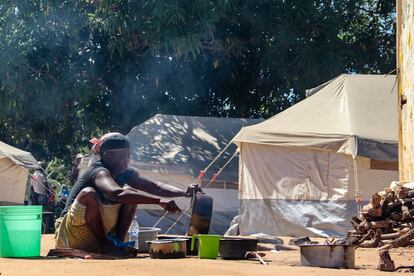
20, 231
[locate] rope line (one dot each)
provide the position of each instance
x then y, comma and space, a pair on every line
220, 170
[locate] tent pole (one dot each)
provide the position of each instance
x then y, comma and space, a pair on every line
356, 183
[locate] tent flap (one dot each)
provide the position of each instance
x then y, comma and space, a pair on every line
336, 143
377, 150
295, 217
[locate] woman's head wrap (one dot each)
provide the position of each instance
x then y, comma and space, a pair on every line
109, 141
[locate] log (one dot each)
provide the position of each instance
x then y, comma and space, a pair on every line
379, 224
397, 216
367, 244
401, 241
374, 242
391, 213
364, 238
406, 200
371, 213
410, 243
406, 214
354, 233
356, 220
373, 209
393, 236
355, 225
410, 193
385, 262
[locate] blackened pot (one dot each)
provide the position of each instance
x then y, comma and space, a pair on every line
236, 247
201, 212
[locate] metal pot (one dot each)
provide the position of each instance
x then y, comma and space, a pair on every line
236, 247
326, 255
188, 238
168, 249
201, 212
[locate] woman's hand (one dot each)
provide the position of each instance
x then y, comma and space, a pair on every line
170, 206
192, 189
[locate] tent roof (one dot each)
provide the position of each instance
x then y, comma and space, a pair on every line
17, 156
352, 114
187, 144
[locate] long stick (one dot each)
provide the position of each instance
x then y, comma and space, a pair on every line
161, 218
401, 241
182, 214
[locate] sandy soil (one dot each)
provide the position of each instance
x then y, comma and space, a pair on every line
281, 263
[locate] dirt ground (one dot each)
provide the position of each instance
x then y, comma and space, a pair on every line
280, 263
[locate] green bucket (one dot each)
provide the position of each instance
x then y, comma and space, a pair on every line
20, 231
208, 246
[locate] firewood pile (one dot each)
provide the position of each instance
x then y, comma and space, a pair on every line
388, 216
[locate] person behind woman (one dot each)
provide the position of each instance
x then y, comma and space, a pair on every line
39, 189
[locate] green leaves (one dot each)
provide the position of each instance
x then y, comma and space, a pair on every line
73, 69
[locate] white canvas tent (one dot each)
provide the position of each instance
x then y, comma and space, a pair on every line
14, 169
173, 150
301, 170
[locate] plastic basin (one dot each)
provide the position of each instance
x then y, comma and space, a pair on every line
20, 231
208, 246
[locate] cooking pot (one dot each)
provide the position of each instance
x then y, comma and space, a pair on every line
327, 255
188, 238
201, 212
168, 248
236, 247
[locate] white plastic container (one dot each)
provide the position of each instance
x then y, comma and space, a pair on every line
146, 234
